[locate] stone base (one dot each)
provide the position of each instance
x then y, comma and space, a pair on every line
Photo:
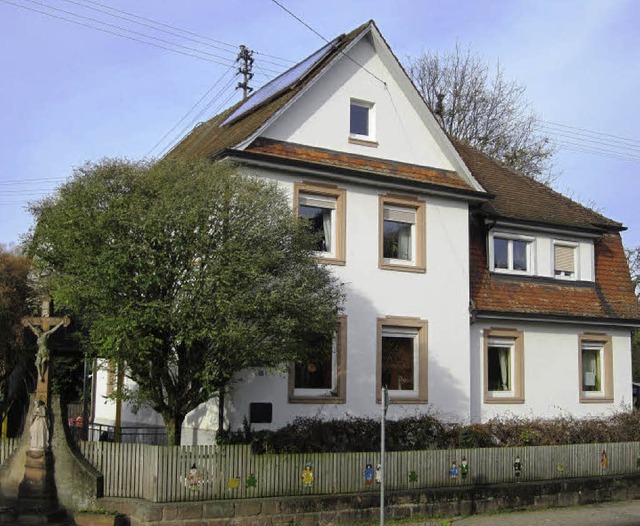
38, 485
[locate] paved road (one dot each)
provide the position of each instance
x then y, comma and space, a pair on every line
625, 513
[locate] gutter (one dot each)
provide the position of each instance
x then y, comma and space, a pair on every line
555, 318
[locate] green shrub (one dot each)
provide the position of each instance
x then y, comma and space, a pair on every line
308, 435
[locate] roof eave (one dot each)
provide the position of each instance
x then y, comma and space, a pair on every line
558, 318
354, 175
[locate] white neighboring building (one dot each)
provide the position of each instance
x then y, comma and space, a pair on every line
472, 291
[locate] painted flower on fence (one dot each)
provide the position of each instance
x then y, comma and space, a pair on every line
234, 482
413, 476
252, 481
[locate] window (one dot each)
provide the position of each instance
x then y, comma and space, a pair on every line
362, 123
511, 253
503, 366
324, 208
596, 368
402, 359
323, 380
564, 260
402, 234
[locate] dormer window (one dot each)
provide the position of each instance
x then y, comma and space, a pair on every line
564, 260
511, 253
362, 122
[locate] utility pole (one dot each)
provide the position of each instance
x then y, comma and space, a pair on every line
245, 57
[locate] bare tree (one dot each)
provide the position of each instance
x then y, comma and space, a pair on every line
478, 106
633, 258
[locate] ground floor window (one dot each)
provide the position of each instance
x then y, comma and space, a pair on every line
322, 380
402, 359
596, 368
503, 366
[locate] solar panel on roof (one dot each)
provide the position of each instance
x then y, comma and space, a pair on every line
282, 82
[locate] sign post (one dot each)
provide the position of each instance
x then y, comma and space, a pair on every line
384, 404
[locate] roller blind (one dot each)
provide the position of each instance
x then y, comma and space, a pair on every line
402, 215
318, 201
564, 259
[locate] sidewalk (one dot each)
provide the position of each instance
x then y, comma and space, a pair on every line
625, 513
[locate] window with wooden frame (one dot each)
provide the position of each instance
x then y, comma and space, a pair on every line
401, 233
402, 359
323, 206
503, 366
595, 363
322, 381
564, 259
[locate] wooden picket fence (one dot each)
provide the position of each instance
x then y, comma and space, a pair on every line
165, 474
7, 447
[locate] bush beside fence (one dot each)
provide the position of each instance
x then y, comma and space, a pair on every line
164, 474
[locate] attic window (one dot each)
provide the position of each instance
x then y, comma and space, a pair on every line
361, 120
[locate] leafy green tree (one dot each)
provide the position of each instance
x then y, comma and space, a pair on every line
186, 273
14, 304
480, 107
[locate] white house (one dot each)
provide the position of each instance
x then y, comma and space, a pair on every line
472, 291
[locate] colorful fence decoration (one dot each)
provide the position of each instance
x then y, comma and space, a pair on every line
175, 474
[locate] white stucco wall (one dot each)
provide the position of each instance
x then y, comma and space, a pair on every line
320, 117
551, 371
439, 296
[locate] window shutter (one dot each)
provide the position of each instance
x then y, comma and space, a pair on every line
401, 215
318, 201
564, 259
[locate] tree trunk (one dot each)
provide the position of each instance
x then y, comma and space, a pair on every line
173, 423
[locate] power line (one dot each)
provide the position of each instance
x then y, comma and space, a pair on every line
190, 110
583, 131
127, 30
112, 32
188, 126
31, 181
154, 26
327, 41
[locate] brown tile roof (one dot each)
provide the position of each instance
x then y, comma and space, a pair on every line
209, 138
323, 157
611, 297
520, 198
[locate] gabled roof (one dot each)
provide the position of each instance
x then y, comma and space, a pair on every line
521, 198
211, 137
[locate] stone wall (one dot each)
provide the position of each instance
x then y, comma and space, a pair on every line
330, 509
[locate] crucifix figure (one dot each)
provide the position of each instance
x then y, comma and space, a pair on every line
43, 327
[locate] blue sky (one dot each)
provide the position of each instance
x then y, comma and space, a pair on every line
72, 94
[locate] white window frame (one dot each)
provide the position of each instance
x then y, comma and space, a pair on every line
370, 106
510, 237
306, 392
568, 244
510, 343
406, 332
599, 347
414, 244
602, 343
331, 253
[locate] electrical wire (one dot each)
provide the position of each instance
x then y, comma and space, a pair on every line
188, 126
48, 6
112, 32
199, 40
190, 110
328, 42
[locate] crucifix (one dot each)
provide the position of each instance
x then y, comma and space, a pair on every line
43, 327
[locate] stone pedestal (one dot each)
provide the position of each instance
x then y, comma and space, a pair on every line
37, 489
